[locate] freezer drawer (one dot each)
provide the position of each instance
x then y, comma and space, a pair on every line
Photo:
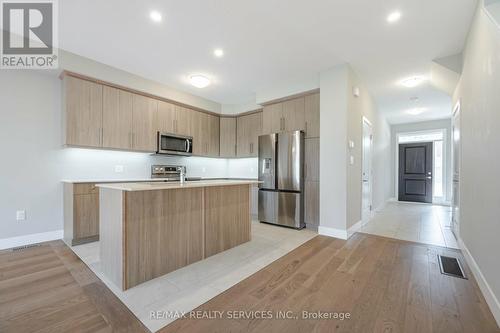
281, 208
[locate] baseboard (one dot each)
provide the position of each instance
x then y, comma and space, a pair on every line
7, 243
332, 232
488, 294
354, 229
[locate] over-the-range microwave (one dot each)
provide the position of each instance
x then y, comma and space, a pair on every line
173, 144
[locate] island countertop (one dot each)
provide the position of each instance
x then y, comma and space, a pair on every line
153, 186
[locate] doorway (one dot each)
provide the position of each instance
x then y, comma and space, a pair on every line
415, 172
367, 186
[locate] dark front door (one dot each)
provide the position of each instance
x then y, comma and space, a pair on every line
415, 172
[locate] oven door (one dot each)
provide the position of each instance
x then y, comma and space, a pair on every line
174, 144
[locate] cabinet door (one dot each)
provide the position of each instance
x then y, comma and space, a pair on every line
311, 203
199, 132
293, 114
312, 116
144, 120
83, 114
117, 118
311, 163
166, 117
86, 215
243, 137
272, 118
254, 130
214, 134
227, 137
183, 120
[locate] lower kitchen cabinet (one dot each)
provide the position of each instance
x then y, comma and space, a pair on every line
81, 213
311, 203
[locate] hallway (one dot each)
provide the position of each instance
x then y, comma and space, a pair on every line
422, 223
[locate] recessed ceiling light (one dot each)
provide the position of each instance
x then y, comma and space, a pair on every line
412, 81
394, 17
199, 81
155, 16
219, 53
416, 111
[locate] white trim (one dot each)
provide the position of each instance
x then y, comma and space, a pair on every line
488, 294
7, 243
355, 228
332, 232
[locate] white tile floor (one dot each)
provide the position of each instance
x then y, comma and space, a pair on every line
191, 286
415, 222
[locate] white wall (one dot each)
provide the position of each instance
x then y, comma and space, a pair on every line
34, 162
359, 107
416, 127
478, 93
333, 151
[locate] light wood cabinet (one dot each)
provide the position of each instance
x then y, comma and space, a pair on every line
312, 115
227, 137
166, 117
284, 116
272, 118
311, 203
83, 112
117, 118
213, 136
311, 159
293, 114
249, 127
183, 120
81, 213
144, 123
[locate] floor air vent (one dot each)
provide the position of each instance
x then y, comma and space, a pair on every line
25, 247
451, 266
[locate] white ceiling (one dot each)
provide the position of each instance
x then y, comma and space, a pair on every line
267, 42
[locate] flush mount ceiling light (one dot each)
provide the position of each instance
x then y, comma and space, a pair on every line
412, 81
394, 17
155, 16
199, 81
219, 53
416, 111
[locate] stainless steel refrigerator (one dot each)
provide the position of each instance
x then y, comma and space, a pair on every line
281, 171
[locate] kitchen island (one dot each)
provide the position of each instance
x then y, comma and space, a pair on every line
150, 229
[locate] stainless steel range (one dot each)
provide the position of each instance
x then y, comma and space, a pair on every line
171, 173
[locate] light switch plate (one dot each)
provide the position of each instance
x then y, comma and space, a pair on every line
351, 144
118, 168
21, 215
351, 160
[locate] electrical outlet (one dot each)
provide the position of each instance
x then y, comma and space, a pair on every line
21, 215
118, 168
203, 169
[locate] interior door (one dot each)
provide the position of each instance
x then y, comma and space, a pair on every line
415, 172
367, 172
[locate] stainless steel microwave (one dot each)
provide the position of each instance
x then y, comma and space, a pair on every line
173, 144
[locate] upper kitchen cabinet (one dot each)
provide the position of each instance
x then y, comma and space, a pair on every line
144, 123
227, 137
213, 136
284, 116
272, 118
312, 116
183, 120
293, 115
117, 118
249, 127
205, 133
83, 112
166, 117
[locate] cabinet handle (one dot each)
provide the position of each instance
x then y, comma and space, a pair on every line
306, 128
305, 170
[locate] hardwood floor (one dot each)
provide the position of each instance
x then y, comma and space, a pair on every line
385, 285
49, 289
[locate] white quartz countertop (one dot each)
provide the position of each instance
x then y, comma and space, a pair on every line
139, 180
151, 186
